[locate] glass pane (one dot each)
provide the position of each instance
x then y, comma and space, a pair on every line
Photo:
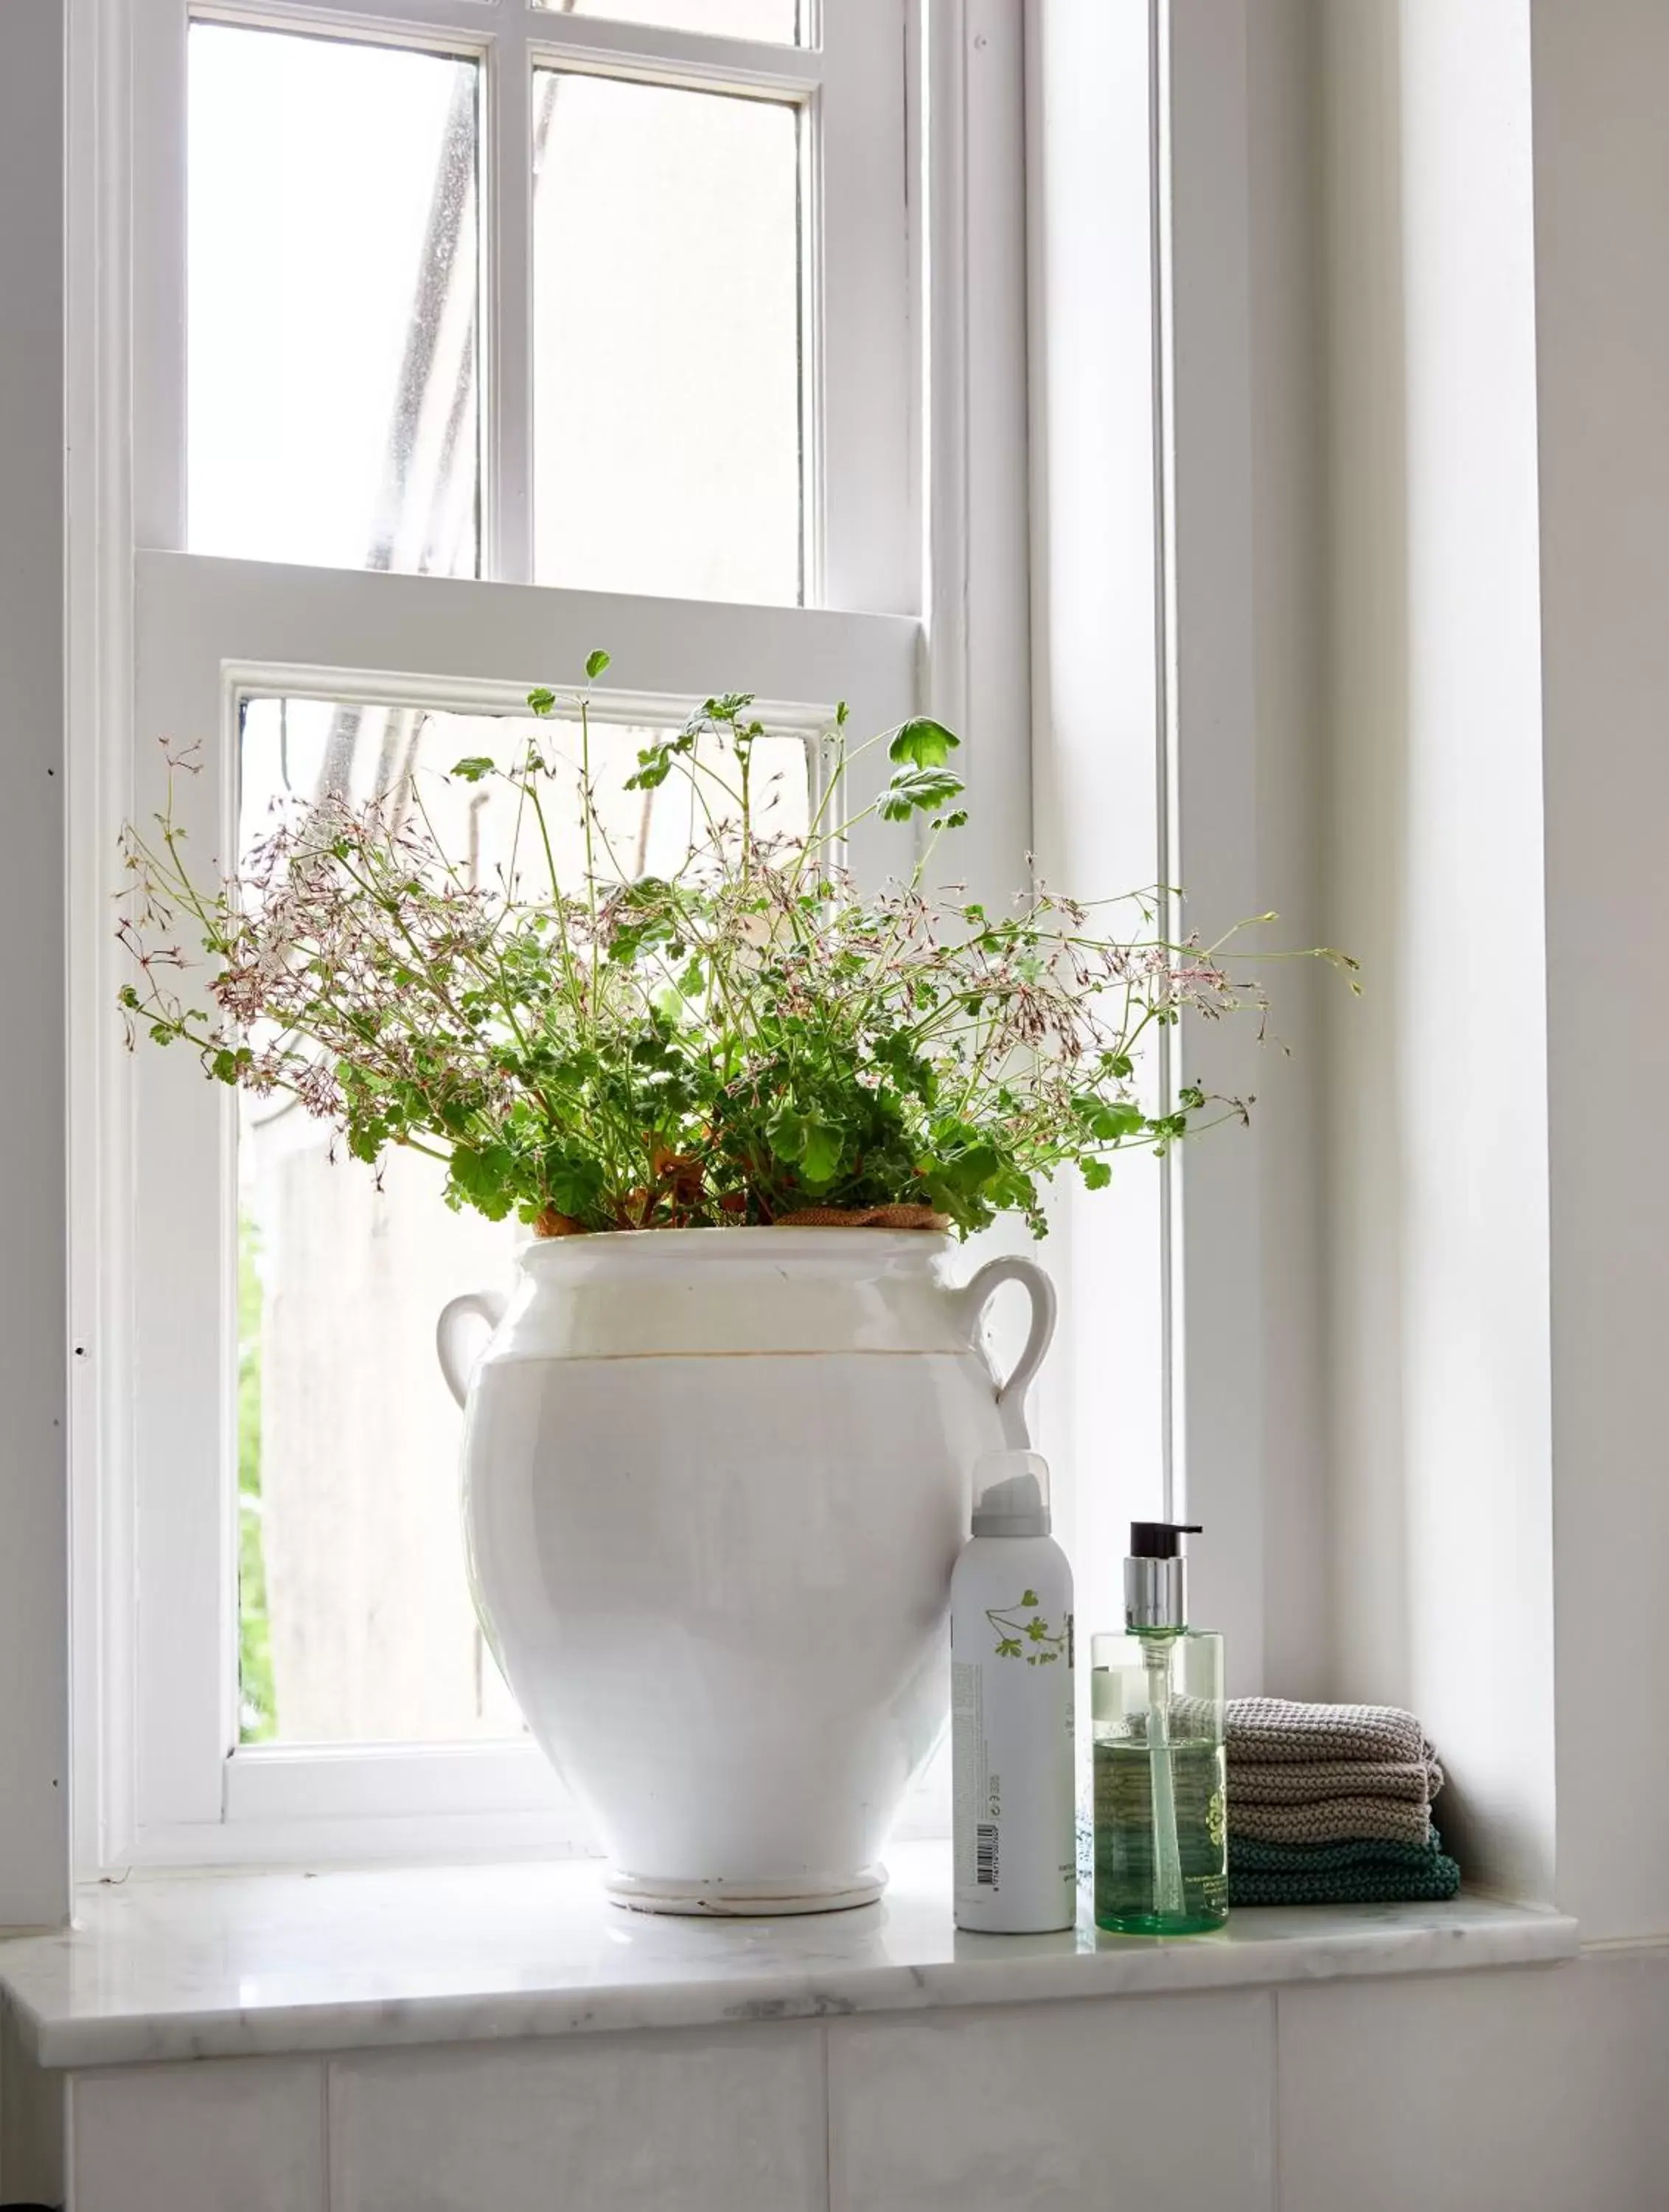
666, 334
778, 21
356, 1619
333, 391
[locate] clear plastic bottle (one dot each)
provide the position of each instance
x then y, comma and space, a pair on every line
1156, 1702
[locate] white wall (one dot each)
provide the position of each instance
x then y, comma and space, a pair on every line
34, 1770
1602, 325
1498, 348
1439, 1239
1287, 1332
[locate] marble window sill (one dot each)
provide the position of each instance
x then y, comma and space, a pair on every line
209, 1967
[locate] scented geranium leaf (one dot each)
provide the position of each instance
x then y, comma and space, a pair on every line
922, 743
542, 700
915, 791
480, 1178
574, 1186
785, 1132
1110, 1120
1096, 1174
654, 766
820, 1151
473, 770
727, 708
595, 664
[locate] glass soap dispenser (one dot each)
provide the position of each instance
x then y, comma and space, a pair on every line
1156, 1705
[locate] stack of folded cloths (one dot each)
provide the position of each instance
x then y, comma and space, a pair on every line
1331, 1805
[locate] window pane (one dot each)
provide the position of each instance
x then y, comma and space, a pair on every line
356, 1618
775, 19
667, 355
333, 395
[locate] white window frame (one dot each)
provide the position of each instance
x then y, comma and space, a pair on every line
922, 556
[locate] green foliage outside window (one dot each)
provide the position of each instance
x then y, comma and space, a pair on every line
257, 1715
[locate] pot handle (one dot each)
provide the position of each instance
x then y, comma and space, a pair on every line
1008, 1268
474, 1305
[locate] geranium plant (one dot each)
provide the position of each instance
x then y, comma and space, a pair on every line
753, 1037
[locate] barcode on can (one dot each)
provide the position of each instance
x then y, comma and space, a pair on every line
985, 1856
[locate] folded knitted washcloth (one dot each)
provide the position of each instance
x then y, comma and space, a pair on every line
1277, 1729
1339, 1874
1329, 1819
1277, 1782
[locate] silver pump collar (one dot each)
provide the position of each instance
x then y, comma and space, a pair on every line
1156, 1593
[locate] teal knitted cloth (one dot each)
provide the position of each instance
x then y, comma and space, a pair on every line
1369, 1872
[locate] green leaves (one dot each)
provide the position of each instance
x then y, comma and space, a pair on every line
922, 743
654, 766
917, 791
644, 917
482, 1178
921, 781
1109, 1121
806, 1140
744, 1034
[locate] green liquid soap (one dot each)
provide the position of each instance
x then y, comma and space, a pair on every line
1125, 1873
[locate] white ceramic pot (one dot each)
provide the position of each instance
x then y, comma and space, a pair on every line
714, 1482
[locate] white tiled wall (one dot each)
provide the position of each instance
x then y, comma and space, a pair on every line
713, 2123
1539, 2089
1056, 2107
1543, 2090
233, 2135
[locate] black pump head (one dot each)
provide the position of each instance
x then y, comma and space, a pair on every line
1161, 1540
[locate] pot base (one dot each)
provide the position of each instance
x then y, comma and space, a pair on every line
766, 1900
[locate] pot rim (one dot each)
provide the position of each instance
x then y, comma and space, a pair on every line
818, 1240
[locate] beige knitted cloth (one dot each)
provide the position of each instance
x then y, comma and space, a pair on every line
1330, 1821
1277, 1782
1276, 1729
1328, 1774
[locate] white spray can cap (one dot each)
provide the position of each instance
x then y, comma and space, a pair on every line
1011, 1494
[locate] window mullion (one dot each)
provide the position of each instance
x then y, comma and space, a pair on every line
404, 22
160, 149
507, 315
858, 353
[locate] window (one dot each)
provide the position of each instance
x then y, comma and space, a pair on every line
467, 336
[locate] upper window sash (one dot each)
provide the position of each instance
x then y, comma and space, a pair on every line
859, 382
